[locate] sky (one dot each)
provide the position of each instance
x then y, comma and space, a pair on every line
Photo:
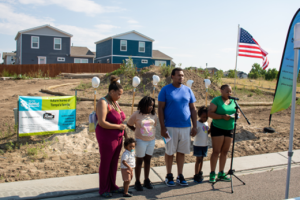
193, 33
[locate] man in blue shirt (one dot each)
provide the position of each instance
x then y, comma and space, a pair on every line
175, 109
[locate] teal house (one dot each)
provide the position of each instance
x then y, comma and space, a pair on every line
118, 49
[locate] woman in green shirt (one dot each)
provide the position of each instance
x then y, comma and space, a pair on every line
222, 126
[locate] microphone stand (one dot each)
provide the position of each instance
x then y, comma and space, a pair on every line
231, 171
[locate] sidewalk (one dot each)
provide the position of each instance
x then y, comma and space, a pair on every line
55, 187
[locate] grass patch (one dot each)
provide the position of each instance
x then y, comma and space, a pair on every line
83, 86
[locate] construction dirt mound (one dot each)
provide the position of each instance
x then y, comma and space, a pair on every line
146, 85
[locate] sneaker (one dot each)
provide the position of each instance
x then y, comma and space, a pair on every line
223, 177
147, 184
198, 178
169, 180
138, 186
180, 180
212, 177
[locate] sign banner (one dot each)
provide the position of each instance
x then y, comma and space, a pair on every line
283, 92
46, 115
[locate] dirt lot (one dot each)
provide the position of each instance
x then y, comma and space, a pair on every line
77, 153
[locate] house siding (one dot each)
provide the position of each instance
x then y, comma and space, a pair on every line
46, 48
103, 60
18, 50
103, 48
132, 48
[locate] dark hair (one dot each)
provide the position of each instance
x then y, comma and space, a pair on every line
144, 103
202, 109
129, 141
174, 71
114, 85
224, 86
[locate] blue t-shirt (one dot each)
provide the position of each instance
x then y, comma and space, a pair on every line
177, 110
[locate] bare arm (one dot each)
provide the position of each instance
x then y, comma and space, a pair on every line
161, 116
194, 119
131, 127
212, 113
125, 163
101, 111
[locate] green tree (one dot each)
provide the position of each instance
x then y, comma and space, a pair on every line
257, 71
231, 73
271, 74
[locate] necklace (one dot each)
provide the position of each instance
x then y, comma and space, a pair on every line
113, 103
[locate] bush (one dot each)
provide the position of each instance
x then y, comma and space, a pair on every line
166, 71
213, 93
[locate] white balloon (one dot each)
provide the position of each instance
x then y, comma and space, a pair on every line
95, 82
207, 82
136, 81
189, 83
156, 79
119, 81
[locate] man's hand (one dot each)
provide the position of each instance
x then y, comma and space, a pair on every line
194, 131
163, 132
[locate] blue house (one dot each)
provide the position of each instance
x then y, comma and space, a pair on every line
119, 48
47, 44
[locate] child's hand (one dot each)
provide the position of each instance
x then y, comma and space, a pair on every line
130, 169
194, 131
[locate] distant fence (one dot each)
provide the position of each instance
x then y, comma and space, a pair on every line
53, 70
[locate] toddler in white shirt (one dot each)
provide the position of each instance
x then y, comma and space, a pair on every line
128, 164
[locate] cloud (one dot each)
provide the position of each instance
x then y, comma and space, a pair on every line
11, 22
105, 27
85, 6
132, 21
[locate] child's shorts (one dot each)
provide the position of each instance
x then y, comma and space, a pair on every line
200, 151
126, 174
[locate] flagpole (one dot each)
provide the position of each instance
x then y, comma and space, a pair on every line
237, 52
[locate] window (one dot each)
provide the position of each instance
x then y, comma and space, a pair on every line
42, 60
35, 42
141, 46
123, 45
80, 60
145, 61
99, 61
61, 59
160, 63
57, 43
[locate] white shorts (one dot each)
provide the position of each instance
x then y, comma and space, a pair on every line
144, 147
180, 142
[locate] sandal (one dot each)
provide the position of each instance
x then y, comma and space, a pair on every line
127, 195
106, 195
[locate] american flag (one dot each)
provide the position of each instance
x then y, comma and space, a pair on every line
248, 47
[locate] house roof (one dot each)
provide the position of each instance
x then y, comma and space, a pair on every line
43, 26
118, 35
4, 54
81, 52
156, 54
212, 68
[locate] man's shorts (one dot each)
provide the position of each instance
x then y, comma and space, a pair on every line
144, 147
220, 132
200, 151
180, 142
126, 174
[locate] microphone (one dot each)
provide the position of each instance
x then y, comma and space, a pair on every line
234, 98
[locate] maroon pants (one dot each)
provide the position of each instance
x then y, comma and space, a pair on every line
110, 144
